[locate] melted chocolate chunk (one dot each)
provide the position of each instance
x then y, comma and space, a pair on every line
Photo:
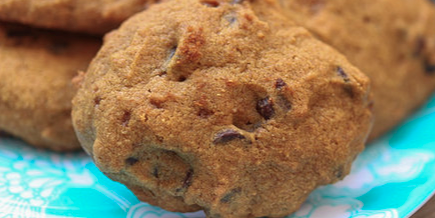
265, 108
279, 84
226, 136
230, 195
131, 161
343, 74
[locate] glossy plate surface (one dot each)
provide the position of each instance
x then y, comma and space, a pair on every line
393, 177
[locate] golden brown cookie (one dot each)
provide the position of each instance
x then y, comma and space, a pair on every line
226, 107
89, 16
392, 41
36, 68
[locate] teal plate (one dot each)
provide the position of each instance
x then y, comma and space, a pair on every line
392, 178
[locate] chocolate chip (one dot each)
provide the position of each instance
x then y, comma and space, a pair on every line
237, 1
131, 161
156, 172
280, 83
188, 179
230, 195
226, 136
126, 118
433, 1
343, 74
265, 108
58, 47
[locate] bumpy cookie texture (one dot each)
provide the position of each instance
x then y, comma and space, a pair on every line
392, 41
36, 69
89, 16
221, 106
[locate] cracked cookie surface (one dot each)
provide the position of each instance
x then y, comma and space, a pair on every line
393, 42
36, 68
223, 106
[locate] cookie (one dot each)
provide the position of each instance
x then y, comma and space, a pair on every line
36, 68
392, 41
223, 106
95, 16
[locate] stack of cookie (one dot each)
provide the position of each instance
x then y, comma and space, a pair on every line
239, 108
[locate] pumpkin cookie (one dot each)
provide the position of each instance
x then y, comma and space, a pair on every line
223, 106
88, 16
392, 41
36, 68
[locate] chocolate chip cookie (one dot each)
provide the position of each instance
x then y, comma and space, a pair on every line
392, 41
36, 68
89, 16
223, 106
